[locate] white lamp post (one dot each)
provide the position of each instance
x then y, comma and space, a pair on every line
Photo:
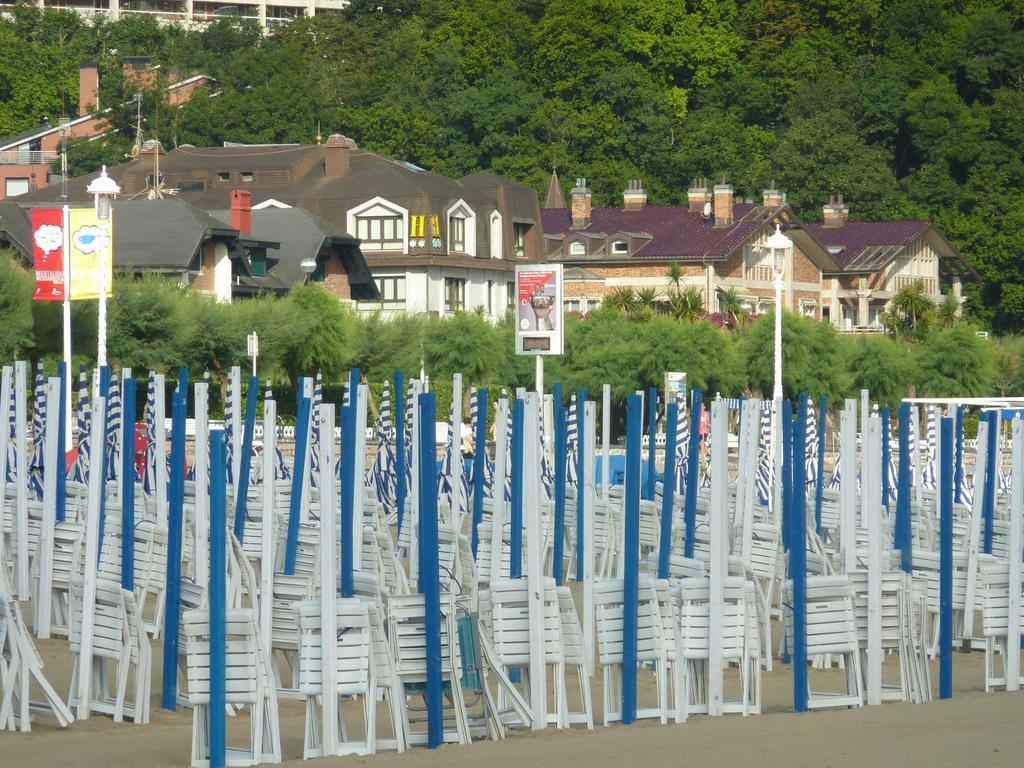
104, 190
308, 266
780, 247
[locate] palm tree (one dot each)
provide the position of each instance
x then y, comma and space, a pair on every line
687, 304
646, 302
948, 310
911, 303
622, 299
675, 276
730, 303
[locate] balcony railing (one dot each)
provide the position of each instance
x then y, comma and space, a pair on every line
19, 157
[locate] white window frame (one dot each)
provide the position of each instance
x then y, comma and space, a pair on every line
497, 241
8, 194
581, 250
460, 210
624, 251
378, 207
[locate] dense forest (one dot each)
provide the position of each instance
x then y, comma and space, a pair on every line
910, 108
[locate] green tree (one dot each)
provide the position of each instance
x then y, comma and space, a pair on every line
881, 366
321, 330
16, 288
145, 318
954, 362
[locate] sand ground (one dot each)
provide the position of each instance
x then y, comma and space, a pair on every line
973, 729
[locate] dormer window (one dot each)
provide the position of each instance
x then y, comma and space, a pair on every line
246, 175
380, 225
620, 248
223, 176
461, 229
576, 248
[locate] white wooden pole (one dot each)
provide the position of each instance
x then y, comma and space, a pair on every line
328, 586
747, 470
719, 521
5, 416
160, 449
848, 485
359, 461
865, 413
498, 489
455, 518
92, 545
201, 502
314, 418
1016, 515
776, 461
44, 550
21, 574
268, 539
606, 440
980, 489
915, 451
938, 465
586, 512
534, 560
872, 494
235, 389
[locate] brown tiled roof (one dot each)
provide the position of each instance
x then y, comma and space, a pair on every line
675, 232
867, 245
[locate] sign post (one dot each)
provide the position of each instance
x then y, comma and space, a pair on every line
539, 326
253, 348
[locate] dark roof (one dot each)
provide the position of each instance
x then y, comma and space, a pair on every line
298, 234
554, 198
675, 232
162, 234
867, 246
16, 228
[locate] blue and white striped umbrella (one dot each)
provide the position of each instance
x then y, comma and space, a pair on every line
35, 466
281, 471
682, 440
80, 469
763, 479
114, 417
929, 474
149, 468
314, 434
573, 434
229, 430
811, 446
9, 434
705, 478
385, 424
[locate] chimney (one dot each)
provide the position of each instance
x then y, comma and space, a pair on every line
580, 205
138, 72
88, 88
633, 197
835, 213
151, 147
723, 204
698, 195
338, 155
241, 210
773, 198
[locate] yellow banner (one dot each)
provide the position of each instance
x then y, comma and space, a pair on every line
91, 246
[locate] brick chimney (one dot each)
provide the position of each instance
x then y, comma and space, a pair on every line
835, 213
338, 155
138, 72
723, 204
698, 195
580, 204
88, 88
241, 210
633, 197
772, 197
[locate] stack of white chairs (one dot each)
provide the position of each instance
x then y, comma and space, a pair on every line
356, 671
67, 543
20, 667
608, 615
247, 678
120, 647
407, 635
832, 629
994, 585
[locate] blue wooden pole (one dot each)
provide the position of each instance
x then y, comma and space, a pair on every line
480, 467
400, 474
886, 457
218, 598
298, 477
991, 478
798, 561
631, 557
819, 485
128, 485
62, 465
946, 560
581, 469
348, 492
959, 471
561, 451
245, 465
428, 575
515, 566
693, 471
175, 509
903, 535
668, 491
652, 428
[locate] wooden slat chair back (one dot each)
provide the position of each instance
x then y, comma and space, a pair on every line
994, 587
67, 543
284, 628
832, 629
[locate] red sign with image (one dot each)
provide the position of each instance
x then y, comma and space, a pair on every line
48, 252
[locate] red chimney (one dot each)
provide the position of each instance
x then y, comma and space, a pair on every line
241, 210
88, 88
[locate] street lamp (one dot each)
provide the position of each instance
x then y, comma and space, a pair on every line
308, 265
780, 248
104, 190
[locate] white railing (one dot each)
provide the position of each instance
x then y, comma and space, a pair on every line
20, 157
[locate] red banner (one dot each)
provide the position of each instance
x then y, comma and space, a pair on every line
48, 250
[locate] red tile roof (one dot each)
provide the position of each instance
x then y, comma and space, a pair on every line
675, 232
